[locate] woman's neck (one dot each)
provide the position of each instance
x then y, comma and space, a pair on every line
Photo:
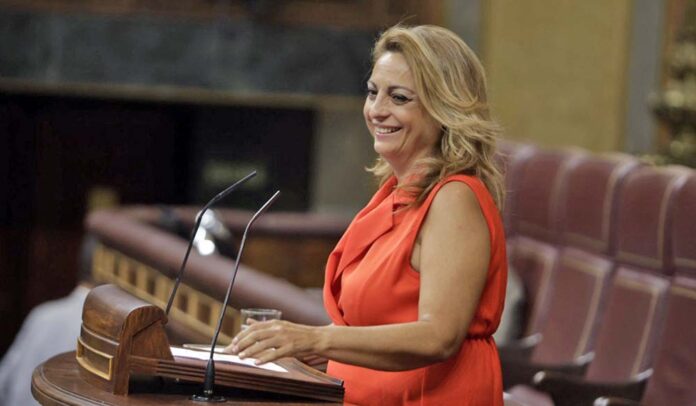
405, 177
406, 171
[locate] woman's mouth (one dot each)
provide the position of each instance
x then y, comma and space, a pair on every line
386, 130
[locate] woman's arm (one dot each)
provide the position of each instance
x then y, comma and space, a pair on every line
454, 257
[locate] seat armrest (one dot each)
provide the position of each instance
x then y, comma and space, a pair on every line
519, 349
614, 401
566, 390
520, 372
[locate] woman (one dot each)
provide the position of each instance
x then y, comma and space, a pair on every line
415, 287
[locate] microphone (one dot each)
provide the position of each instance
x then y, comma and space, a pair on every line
199, 217
209, 382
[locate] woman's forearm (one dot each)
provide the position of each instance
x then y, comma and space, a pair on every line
390, 347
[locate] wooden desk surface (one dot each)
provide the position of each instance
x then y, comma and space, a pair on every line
57, 382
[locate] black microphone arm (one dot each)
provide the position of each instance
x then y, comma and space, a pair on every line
199, 217
209, 382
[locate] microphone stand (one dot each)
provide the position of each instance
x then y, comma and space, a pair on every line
199, 217
209, 382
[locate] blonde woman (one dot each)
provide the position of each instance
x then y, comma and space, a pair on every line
415, 287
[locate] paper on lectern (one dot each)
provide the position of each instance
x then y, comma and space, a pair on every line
204, 355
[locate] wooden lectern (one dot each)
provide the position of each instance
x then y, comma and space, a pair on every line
123, 336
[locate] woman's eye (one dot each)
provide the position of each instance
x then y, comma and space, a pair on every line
371, 93
400, 99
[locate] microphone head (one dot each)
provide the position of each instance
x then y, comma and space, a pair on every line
229, 190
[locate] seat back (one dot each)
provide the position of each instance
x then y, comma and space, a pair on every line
574, 309
684, 229
541, 184
627, 337
535, 263
587, 210
674, 370
645, 220
672, 382
534, 253
635, 308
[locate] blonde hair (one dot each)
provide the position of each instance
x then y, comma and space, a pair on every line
451, 85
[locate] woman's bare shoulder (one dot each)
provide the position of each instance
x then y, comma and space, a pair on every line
455, 197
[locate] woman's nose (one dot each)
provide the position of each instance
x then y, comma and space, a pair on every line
378, 108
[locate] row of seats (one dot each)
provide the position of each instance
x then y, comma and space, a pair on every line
606, 248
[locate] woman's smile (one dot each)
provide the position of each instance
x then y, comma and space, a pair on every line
383, 131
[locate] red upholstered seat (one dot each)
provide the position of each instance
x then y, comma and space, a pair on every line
684, 229
535, 262
636, 300
626, 341
587, 217
587, 212
533, 251
674, 369
539, 186
575, 307
630, 326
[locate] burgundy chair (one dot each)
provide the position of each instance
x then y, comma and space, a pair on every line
588, 214
533, 252
632, 320
684, 229
587, 211
674, 369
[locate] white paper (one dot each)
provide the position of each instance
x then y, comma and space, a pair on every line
186, 353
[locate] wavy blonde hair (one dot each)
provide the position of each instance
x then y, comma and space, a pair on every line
451, 85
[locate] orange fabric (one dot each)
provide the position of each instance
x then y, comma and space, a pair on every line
370, 281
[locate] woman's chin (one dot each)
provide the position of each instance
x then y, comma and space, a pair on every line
385, 151
386, 145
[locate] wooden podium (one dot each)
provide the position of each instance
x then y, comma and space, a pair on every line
58, 382
122, 341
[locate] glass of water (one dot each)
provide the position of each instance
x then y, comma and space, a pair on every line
259, 315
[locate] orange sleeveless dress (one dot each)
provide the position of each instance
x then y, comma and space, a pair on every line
370, 281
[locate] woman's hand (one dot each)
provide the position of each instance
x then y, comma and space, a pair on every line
270, 340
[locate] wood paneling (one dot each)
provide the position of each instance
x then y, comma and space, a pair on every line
557, 70
300, 260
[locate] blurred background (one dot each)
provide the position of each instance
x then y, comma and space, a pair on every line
106, 103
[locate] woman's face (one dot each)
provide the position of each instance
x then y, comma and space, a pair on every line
402, 130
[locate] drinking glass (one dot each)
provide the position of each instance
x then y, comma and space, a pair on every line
259, 315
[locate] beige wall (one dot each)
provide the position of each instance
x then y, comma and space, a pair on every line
557, 69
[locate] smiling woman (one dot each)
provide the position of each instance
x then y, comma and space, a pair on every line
415, 286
